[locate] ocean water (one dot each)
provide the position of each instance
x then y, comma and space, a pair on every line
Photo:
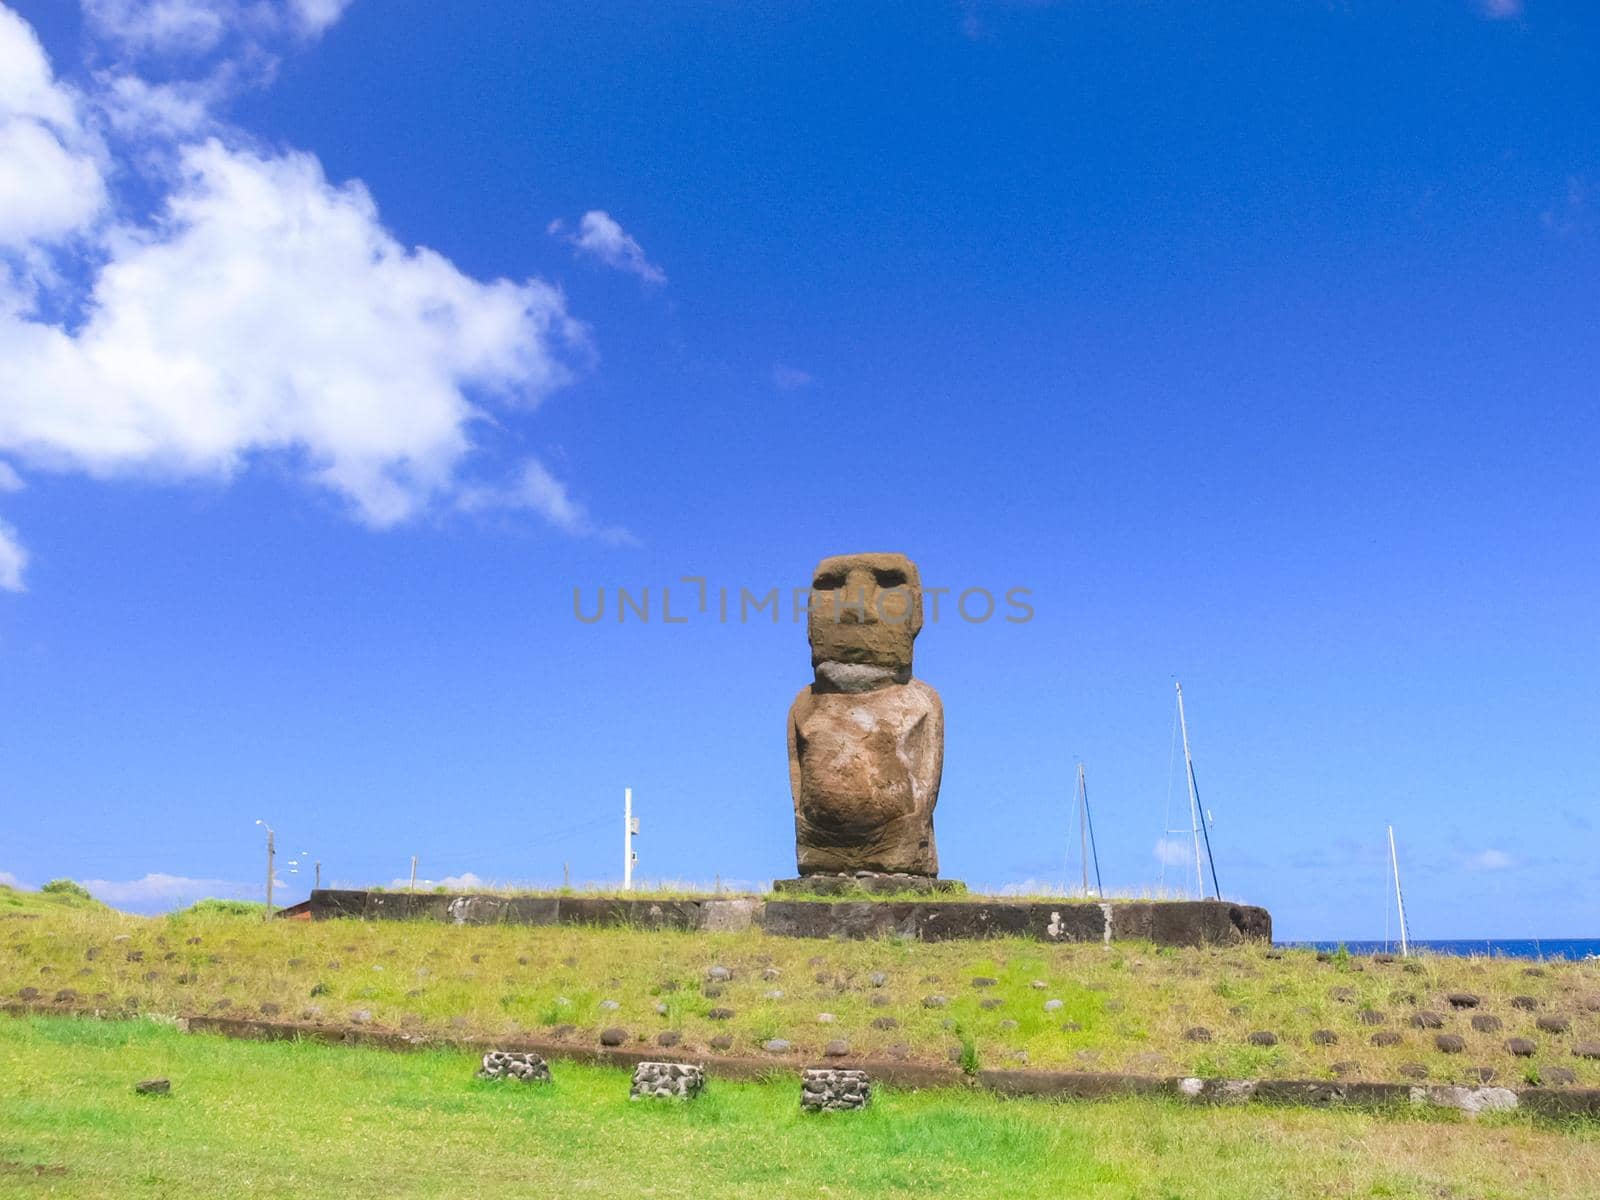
1488, 947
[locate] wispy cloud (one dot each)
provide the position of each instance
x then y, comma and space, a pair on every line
158, 892
1500, 10
790, 379
13, 560
1491, 860
10, 880
600, 237
1174, 852
537, 490
464, 882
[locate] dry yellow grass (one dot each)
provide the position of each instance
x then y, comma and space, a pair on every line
1122, 1008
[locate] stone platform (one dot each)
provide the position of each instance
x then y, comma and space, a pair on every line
867, 884
1164, 922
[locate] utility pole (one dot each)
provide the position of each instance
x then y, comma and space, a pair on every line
413, 886
319, 877
630, 827
271, 850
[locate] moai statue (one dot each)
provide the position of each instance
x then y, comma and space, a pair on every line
866, 741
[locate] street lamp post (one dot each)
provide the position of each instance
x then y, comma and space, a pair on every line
271, 850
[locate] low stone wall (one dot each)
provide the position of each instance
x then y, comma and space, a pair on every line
1559, 1103
1164, 922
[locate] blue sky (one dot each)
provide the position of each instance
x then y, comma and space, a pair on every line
340, 342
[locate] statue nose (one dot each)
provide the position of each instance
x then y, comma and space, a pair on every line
860, 600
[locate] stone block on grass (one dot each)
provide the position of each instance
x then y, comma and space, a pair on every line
509, 1064
834, 1089
667, 1081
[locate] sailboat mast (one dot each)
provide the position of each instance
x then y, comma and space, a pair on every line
1083, 827
1399, 900
1197, 818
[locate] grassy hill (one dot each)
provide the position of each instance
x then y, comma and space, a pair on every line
298, 1119
1003, 1003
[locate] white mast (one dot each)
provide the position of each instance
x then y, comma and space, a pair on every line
1194, 801
1400, 902
1083, 826
630, 826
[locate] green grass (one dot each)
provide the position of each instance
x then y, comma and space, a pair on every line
300, 1119
1125, 1007
61, 895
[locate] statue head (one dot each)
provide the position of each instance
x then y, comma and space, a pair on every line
865, 609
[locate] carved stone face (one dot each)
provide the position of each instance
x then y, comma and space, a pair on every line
865, 608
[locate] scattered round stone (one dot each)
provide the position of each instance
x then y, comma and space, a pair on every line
1113, 1006
885, 1023
1263, 1037
1371, 1016
772, 994
822, 977
990, 1003
899, 1050
1449, 1043
67, 996
1197, 1033
1485, 1074
1464, 1000
1324, 1037
1038, 985
668, 1037
825, 1018
1553, 1024
711, 991
722, 1042
661, 1008
614, 1036
935, 1001
1386, 1037
720, 1014
153, 1087
1486, 1023
1525, 1003
1557, 1077
1053, 1005
1383, 956
771, 973
28, 993
1008, 1025
361, 1016
880, 1001
1427, 1020
777, 1046
1413, 1070
1341, 1069
506, 1064
1587, 1049
954, 1054
983, 981
1533, 972
269, 1008
838, 1048
1071, 1027
1591, 1002
1522, 1047
719, 974
1343, 995
877, 979
609, 1006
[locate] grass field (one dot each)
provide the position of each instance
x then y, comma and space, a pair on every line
1124, 1007
299, 1119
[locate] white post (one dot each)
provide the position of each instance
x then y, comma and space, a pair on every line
1194, 801
1400, 903
271, 850
413, 886
629, 828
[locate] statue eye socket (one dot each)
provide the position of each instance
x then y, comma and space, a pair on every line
828, 583
891, 579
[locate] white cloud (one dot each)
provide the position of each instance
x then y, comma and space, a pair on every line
600, 237
539, 491
13, 560
50, 177
263, 311
10, 880
1500, 10
196, 27
10, 481
1491, 860
270, 311
790, 379
157, 892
